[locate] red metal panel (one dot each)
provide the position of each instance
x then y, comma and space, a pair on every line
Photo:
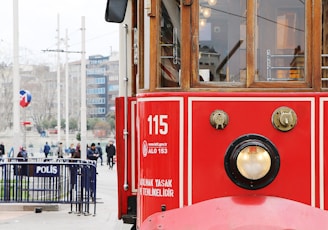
160, 127
120, 154
250, 115
122, 200
205, 147
324, 153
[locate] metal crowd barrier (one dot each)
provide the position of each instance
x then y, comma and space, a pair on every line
49, 180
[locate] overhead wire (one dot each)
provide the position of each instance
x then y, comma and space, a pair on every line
259, 16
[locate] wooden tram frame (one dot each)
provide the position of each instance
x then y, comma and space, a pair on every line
191, 88
312, 63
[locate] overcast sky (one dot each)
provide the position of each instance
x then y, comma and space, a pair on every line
38, 29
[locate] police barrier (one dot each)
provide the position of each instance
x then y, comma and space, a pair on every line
40, 180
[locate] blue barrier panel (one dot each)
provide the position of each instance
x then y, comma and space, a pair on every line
66, 181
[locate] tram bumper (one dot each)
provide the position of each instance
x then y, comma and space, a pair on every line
241, 213
129, 219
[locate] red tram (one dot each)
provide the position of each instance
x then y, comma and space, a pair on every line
222, 113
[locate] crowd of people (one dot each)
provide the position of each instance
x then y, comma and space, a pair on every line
21, 153
94, 152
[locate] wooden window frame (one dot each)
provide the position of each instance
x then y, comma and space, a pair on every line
189, 52
312, 43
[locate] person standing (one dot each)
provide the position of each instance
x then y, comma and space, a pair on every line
100, 153
2, 151
78, 147
23, 153
60, 150
22, 157
111, 151
71, 149
11, 152
92, 153
46, 149
76, 154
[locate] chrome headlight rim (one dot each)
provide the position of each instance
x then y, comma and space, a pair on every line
230, 161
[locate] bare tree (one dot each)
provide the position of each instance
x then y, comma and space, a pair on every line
42, 85
6, 96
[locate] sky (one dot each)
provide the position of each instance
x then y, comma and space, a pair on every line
38, 29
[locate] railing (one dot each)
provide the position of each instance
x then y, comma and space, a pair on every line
270, 67
174, 46
323, 67
296, 69
47, 180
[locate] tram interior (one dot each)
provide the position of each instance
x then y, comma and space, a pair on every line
279, 39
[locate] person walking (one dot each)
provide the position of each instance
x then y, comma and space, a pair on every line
111, 152
100, 153
46, 149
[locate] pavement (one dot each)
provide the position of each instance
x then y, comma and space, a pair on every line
12, 216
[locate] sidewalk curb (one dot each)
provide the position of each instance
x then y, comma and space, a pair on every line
32, 207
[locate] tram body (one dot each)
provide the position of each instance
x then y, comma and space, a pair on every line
199, 148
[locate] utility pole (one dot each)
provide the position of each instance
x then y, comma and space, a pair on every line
67, 92
66, 51
17, 138
83, 95
58, 81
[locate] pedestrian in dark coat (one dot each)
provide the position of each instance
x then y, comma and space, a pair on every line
92, 152
100, 153
2, 151
111, 152
46, 149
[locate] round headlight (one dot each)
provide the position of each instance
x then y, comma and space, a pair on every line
252, 161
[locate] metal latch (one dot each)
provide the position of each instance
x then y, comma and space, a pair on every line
284, 119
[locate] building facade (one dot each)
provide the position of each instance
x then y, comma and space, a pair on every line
102, 85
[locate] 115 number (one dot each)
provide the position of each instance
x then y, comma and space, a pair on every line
158, 124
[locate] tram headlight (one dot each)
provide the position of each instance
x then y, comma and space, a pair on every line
252, 161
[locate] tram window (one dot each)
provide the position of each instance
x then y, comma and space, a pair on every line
280, 40
222, 40
277, 50
170, 44
324, 44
